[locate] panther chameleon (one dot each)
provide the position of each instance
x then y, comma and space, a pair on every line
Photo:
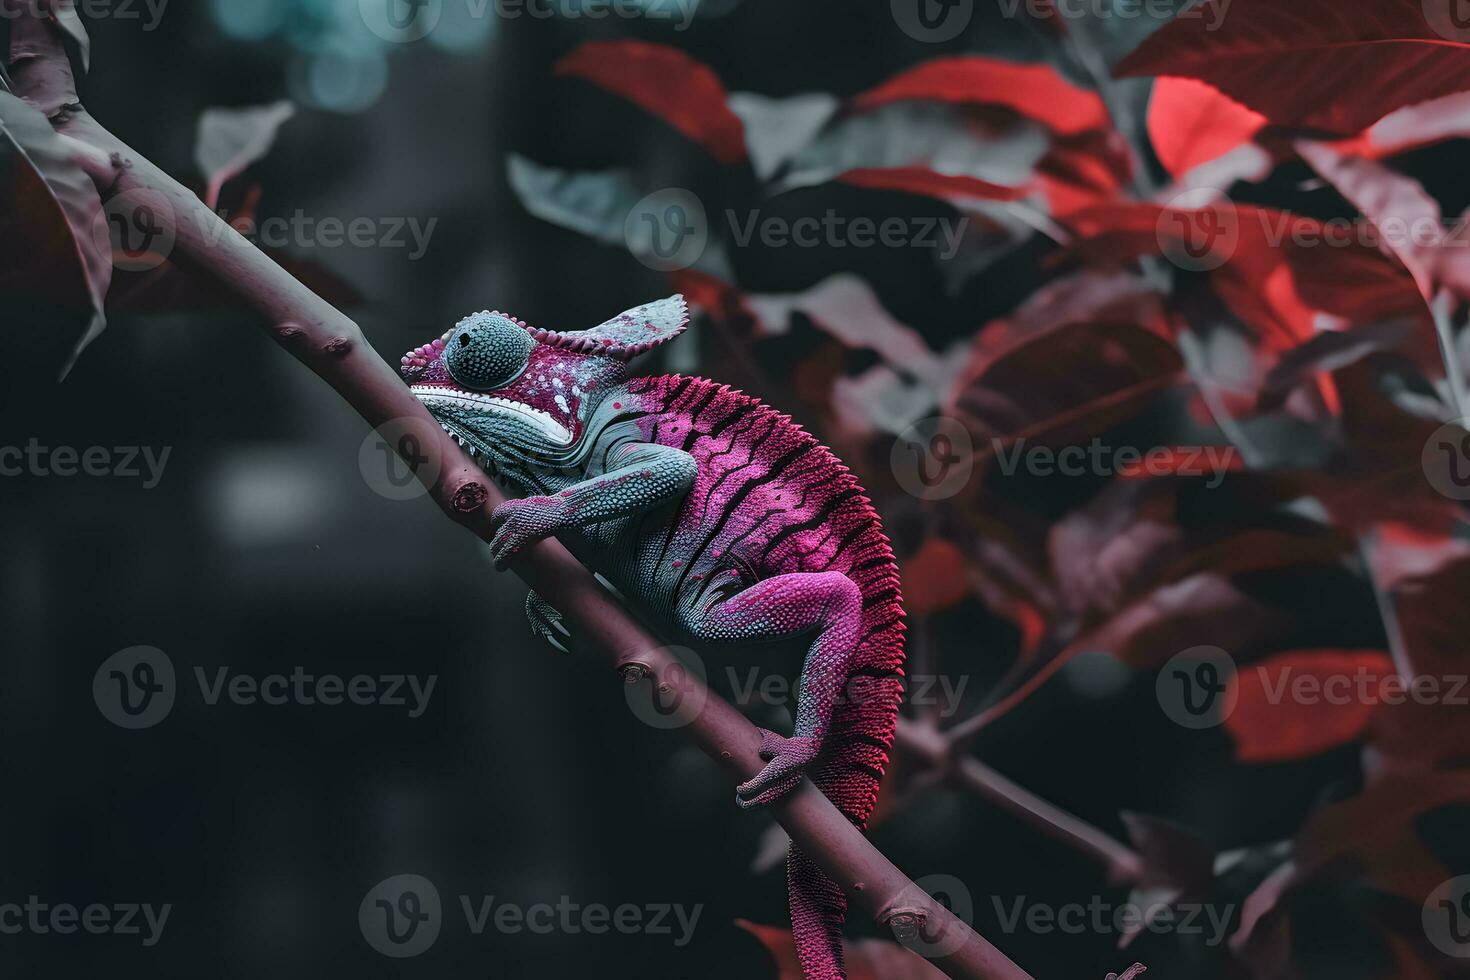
721, 518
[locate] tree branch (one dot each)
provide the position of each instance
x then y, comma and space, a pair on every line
940, 749
332, 345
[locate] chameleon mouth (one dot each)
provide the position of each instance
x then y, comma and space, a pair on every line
476, 402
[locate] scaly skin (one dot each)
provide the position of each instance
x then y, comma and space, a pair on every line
721, 518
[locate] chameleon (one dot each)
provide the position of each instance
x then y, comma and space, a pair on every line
719, 518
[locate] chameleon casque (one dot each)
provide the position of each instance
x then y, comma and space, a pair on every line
722, 519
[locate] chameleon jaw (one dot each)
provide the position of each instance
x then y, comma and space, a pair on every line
547, 426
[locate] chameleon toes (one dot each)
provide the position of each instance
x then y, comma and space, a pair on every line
788, 759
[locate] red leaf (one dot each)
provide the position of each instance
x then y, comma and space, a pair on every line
934, 578
1191, 124
1321, 63
920, 180
1355, 857
668, 83
1272, 722
713, 295
1035, 91
1280, 287
780, 944
1064, 385
1377, 830
1276, 270
1084, 170
1119, 233
867, 959
1431, 726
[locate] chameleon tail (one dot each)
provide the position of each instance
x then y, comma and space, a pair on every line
861, 735
817, 910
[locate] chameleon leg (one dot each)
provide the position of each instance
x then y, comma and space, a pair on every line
641, 476
827, 604
546, 622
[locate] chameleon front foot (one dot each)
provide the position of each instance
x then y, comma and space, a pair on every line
523, 522
547, 623
787, 760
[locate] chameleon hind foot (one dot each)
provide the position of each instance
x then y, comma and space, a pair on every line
546, 622
828, 607
787, 760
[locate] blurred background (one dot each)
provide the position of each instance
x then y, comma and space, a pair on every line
490, 163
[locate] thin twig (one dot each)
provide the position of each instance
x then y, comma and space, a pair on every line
1398, 648
1454, 371
1124, 865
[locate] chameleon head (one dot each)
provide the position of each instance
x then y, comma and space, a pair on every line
516, 396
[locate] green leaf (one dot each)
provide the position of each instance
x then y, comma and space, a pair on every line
229, 140
596, 203
941, 138
65, 14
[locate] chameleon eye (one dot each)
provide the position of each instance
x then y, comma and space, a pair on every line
487, 352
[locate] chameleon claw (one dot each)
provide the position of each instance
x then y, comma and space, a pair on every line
767, 796
546, 623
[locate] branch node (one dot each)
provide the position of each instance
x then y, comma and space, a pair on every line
289, 331
906, 922
337, 346
470, 497
64, 112
634, 671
